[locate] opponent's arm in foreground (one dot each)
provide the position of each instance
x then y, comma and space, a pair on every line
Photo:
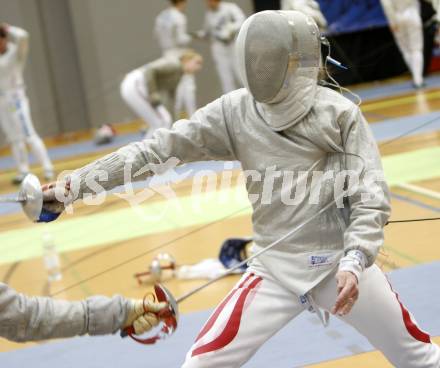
204, 137
369, 209
24, 318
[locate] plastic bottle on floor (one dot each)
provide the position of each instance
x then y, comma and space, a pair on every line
51, 258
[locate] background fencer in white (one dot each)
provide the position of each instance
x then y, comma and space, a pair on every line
134, 93
309, 7
222, 23
15, 115
147, 89
406, 24
171, 31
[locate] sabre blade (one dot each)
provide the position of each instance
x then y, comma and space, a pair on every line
260, 252
17, 199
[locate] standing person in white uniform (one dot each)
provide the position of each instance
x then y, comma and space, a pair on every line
148, 89
172, 34
15, 115
24, 318
222, 23
309, 7
282, 128
171, 30
407, 27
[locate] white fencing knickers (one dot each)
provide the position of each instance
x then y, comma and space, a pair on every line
224, 58
259, 306
134, 93
409, 39
16, 123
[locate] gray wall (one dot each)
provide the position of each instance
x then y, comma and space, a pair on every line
81, 49
24, 13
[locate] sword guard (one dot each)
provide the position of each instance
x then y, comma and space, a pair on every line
169, 316
32, 195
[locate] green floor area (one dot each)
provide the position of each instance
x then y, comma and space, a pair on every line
412, 166
78, 232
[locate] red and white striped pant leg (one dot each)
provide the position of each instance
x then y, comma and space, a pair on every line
380, 316
252, 312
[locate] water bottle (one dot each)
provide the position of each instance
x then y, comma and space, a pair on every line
51, 258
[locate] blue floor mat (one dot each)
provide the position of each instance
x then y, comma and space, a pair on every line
389, 90
302, 342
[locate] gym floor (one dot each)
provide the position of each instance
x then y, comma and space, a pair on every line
93, 240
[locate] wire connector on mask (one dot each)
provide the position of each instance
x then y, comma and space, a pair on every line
336, 63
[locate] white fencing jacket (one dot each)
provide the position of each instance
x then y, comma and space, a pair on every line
223, 25
231, 128
171, 30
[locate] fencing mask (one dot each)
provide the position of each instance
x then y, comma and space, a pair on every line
279, 55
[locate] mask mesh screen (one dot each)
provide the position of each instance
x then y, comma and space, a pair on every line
267, 49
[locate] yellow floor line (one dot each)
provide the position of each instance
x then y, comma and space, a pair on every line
368, 107
419, 190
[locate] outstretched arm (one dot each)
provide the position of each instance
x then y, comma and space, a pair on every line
204, 137
24, 318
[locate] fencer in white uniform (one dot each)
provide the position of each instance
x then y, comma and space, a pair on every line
171, 31
406, 24
24, 318
15, 115
222, 23
309, 7
284, 128
148, 89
